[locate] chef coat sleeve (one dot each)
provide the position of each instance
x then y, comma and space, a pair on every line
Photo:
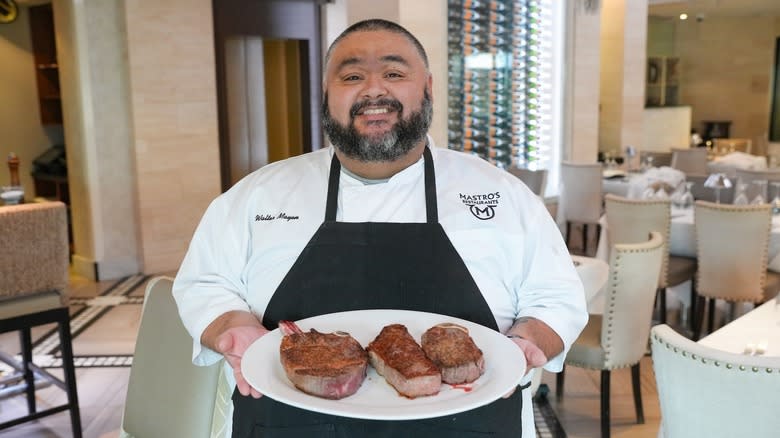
209, 281
551, 290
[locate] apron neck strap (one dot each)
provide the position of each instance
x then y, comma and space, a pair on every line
431, 207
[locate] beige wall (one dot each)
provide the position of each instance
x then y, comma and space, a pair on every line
726, 68
20, 124
623, 57
174, 110
583, 77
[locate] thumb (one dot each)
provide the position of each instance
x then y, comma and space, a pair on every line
224, 343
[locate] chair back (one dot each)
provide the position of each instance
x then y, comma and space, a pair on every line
690, 161
633, 277
731, 247
660, 159
706, 392
34, 255
727, 145
167, 396
536, 180
702, 193
582, 188
632, 220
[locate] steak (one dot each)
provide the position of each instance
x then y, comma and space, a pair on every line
397, 356
451, 348
327, 365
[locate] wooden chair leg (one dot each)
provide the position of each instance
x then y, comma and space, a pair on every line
568, 232
698, 319
585, 239
640, 413
692, 310
711, 316
69, 371
605, 375
25, 339
559, 384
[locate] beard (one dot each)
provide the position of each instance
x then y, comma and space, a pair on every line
389, 146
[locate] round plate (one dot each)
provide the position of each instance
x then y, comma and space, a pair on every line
376, 399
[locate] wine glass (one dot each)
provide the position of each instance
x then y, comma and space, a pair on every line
686, 199
740, 197
761, 188
649, 192
776, 200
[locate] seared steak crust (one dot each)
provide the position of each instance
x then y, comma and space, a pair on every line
328, 365
451, 348
397, 356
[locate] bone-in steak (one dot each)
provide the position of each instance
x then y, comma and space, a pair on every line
451, 348
397, 356
328, 365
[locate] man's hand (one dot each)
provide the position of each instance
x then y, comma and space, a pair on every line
231, 334
534, 356
232, 343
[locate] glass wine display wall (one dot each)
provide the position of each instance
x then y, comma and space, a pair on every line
497, 73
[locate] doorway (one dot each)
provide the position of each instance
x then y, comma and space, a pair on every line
268, 62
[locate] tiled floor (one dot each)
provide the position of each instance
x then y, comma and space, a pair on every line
102, 390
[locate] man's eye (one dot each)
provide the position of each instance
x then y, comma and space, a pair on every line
351, 78
394, 75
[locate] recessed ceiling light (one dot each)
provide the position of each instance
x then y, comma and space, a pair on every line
683, 16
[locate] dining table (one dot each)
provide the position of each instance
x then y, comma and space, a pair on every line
755, 332
594, 274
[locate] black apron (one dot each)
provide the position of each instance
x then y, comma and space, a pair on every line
356, 266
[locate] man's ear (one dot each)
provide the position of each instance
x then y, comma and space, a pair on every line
429, 86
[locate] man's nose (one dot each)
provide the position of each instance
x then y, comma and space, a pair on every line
374, 87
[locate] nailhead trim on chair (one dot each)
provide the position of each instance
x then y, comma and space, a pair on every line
729, 208
707, 361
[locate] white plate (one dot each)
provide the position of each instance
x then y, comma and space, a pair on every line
376, 399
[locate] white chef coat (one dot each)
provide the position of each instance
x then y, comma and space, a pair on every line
251, 235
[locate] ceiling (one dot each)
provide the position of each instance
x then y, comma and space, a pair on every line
714, 8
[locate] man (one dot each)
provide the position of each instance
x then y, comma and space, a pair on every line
406, 226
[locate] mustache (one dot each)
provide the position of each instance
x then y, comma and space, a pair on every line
390, 103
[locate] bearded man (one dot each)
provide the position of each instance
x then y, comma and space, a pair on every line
382, 219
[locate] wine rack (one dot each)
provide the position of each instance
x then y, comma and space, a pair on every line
495, 80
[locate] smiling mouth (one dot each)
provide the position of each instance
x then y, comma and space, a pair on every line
374, 111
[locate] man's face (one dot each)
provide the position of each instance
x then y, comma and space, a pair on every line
377, 102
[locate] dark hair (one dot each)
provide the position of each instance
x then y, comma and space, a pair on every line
376, 24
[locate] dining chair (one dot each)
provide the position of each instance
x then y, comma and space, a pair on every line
660, 159
168, 396
700, 192
690, 161
618, 338
581, 197
536, 180
705, 392
631, 221
726, 145
34, 261
731, 247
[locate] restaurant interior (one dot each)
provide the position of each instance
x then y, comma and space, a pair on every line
650, 129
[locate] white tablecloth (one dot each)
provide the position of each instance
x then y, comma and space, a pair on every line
760, 325
594, 274
633, 185
729, 163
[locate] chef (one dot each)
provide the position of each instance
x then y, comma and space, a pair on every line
381, 219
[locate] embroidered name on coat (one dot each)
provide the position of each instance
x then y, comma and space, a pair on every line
270, 217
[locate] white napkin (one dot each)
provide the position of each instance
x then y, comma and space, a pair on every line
729, 163
672, 178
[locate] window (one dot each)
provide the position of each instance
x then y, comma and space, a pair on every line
504, 81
